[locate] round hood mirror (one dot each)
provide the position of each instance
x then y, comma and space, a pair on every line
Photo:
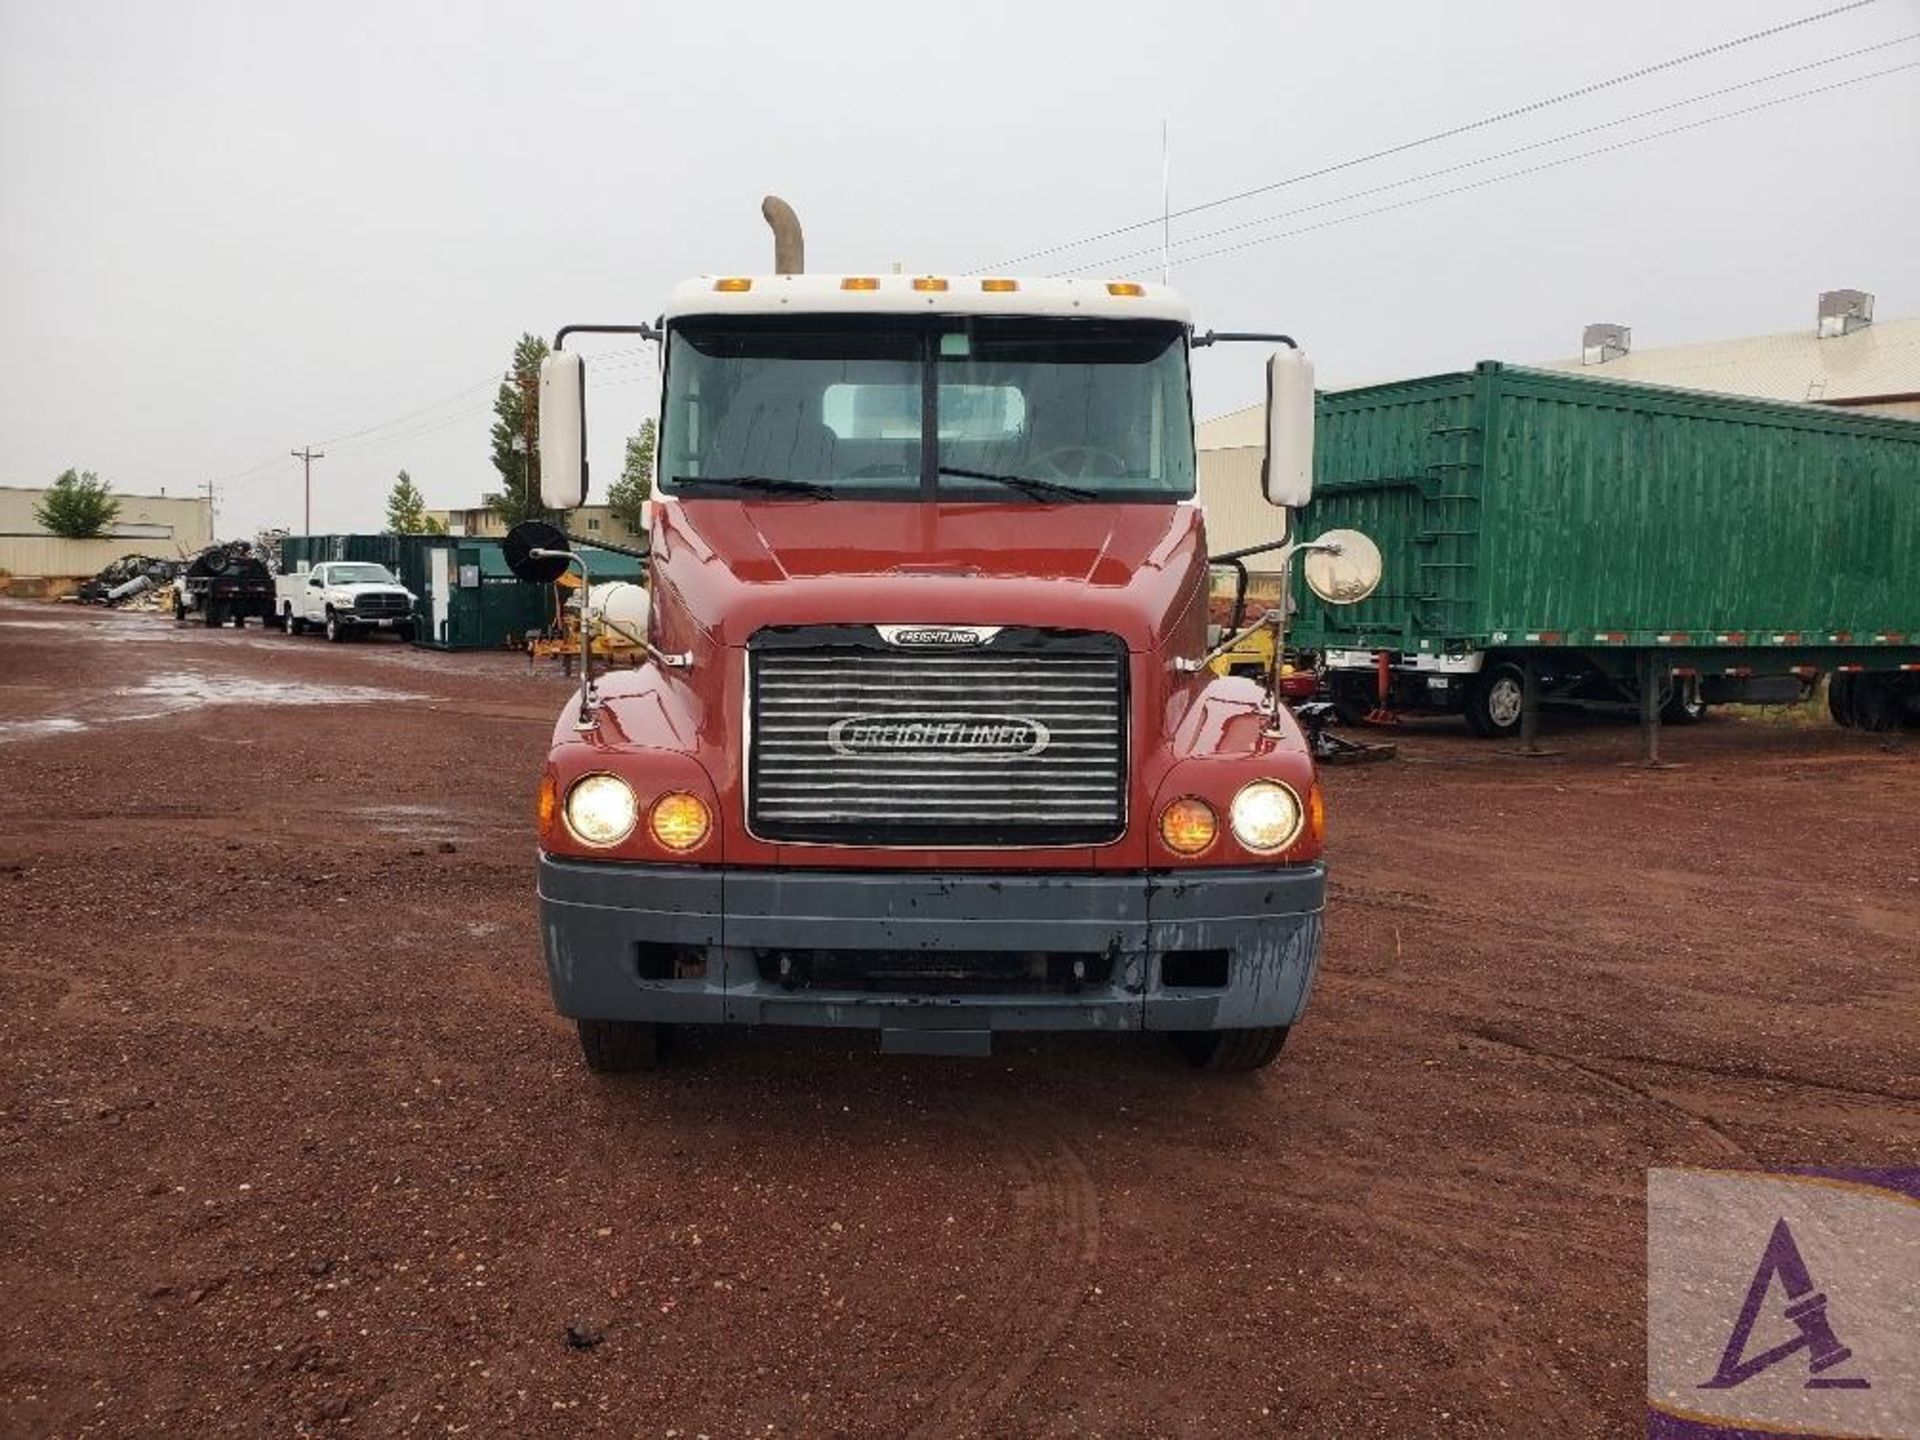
1344, 568
536, 535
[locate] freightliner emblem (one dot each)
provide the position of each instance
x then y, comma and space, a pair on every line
938, 637
942, 733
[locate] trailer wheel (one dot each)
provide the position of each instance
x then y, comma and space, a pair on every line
614, 1047
336, 632
1875, 705
1494, 701
1840, 693
1683, 705
1230, 1052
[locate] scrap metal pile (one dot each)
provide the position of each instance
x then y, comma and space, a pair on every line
134, 581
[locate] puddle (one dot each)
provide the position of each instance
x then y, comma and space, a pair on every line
415, 822
37, 729
178, 691
188, 690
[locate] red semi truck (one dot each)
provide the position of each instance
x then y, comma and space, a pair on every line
925, 742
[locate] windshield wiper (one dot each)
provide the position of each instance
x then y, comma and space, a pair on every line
1029, 485
767, 483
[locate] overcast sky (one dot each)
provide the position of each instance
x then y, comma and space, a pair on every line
235, 228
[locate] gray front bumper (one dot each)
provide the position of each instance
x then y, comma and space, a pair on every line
595, 917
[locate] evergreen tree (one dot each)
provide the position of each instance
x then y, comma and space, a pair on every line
516, 411
407, 510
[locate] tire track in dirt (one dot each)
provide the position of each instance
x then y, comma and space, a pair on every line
1621, 1085
1051, 1260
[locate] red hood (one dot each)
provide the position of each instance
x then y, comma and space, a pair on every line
731, 567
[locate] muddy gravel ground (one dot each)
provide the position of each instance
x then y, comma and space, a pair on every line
291, 1141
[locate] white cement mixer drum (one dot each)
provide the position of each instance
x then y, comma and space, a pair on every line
619, 611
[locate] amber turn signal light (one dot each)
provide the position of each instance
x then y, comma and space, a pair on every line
1188, 826
679, 821
549, 804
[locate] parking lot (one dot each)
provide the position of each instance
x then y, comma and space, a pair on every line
291, 1140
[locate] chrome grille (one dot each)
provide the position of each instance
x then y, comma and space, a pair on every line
380, 605
861, 743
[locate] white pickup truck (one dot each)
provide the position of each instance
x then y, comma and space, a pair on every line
342, 598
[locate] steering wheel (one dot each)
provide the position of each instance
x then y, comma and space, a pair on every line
1077, 462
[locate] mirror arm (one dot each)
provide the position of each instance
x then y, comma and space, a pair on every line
588, 720
645, 332
1217, 337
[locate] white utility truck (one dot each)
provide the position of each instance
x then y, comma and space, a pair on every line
340, 598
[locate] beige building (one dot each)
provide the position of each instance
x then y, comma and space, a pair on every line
169, 526
1844, 358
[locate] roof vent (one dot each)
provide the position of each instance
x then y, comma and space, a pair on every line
1844, 311
1601, 343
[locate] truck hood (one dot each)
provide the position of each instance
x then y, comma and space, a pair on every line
735, 566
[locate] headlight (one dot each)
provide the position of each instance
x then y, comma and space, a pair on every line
601, 810
1266, 816
679, 821
1188, 826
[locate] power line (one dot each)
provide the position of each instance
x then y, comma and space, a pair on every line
1536, 169
369, 437
1584, 90
1114, 261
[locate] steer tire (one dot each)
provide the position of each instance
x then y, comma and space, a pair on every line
1230, 1052
405, 632
1493, 702
336, 632
615, 1047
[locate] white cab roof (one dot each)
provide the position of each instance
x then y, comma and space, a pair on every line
898, 295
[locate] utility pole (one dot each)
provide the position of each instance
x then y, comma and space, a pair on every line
306, 457
213, 528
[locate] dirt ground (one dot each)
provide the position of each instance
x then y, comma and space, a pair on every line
291, 1141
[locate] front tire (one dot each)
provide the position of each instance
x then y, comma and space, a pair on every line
1230, 1052
336, 632
405, 632
619, 1047
1495, 700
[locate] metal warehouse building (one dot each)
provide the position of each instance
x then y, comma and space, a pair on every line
164, 525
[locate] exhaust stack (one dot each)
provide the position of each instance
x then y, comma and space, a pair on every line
789, 249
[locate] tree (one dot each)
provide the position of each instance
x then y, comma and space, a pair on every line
79, 506
516, 416
628, 496
407, 510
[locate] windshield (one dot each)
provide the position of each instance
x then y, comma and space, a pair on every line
1034, 409
360, 575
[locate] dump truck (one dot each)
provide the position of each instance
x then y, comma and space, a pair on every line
1595, 542
926, 741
